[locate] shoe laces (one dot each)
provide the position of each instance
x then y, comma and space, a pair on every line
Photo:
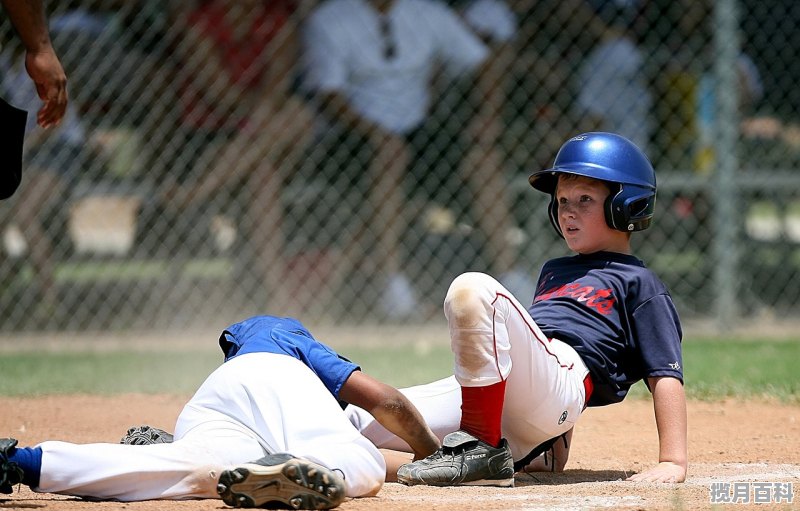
447, 454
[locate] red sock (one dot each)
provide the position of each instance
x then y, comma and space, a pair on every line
481, 411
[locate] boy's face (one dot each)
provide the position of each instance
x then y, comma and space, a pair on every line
581, 216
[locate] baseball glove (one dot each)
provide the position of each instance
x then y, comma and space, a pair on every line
146, 435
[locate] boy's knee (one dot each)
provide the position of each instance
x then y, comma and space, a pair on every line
466, 301
464, 308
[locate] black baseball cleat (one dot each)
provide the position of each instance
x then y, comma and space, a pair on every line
281, 481
463, 460
10, 473
146, 435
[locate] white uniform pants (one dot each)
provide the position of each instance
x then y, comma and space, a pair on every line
251, 405
494, 337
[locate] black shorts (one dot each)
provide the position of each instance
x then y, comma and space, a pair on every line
343, 155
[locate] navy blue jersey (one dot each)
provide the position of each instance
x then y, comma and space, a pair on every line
616, 314
287, 336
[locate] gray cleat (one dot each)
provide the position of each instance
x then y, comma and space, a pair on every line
281, 481
463, 460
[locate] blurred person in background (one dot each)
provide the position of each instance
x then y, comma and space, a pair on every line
243, 128
120, 56
674, 39
485, 162
41, 62
53, 158
551, 38
45, 70
372, 64
612, 88
680, 40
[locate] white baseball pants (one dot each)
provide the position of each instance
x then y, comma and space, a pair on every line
494, 337
252, 405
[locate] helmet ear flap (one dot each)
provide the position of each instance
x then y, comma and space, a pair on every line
630, 209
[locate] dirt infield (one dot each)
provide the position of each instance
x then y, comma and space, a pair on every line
729, 442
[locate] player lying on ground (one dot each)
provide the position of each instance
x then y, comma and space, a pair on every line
600, 322
277, 399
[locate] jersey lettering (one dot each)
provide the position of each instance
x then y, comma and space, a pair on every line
600, 300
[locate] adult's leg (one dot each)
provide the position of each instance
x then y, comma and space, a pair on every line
32, 202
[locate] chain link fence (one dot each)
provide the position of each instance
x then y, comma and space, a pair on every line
343, 160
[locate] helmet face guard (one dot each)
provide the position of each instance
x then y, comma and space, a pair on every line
613, 159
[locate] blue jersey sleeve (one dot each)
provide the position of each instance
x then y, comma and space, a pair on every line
657, 332
287, 336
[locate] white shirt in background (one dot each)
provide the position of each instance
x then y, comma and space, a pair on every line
346, 53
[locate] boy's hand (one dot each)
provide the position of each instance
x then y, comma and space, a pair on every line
664, 472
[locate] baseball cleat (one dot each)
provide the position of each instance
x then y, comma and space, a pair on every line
281, 481
10, 473
146, 435
463, 460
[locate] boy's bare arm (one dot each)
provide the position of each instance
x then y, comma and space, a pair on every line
669, 405
392, 410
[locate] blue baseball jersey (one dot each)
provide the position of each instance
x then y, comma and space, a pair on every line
616, 314
287, 336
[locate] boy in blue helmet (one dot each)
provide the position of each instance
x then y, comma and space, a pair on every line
600, 321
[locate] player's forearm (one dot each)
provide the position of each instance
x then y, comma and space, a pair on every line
29, 20
401, 418
669, 403
392, 410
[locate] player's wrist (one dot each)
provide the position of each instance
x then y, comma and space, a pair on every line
677, 467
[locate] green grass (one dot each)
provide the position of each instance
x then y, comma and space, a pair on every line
87, 272
181, 372
404, 366
104, 372
714, 369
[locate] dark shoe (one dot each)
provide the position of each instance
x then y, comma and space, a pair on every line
463, 460
10, 473
146, 435
281, 481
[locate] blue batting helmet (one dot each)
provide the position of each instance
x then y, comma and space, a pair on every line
613, 159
